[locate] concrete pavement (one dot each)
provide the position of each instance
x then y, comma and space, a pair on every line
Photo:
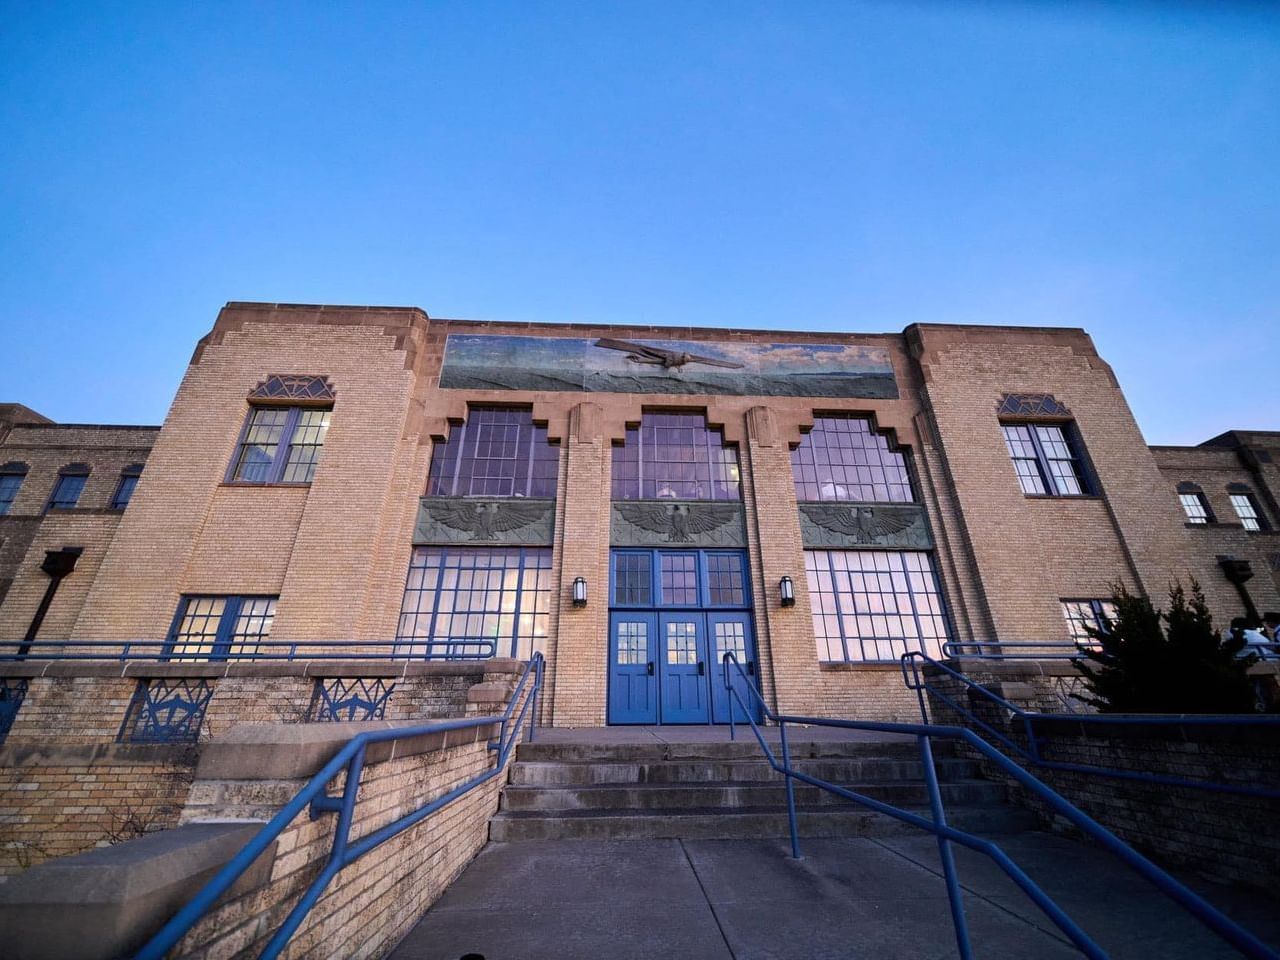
848, 898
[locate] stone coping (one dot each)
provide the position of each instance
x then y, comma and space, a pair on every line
107, 902
95, 754
1171, 727
291, 751
143, 669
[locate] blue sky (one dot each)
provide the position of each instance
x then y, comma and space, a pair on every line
808, 166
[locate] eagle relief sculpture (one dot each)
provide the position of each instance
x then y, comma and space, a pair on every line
863, 524
679, 522
485, 519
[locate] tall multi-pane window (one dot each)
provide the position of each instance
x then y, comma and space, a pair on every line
1246, 510
675, 456
468, 602
11, 477
1196, 507
842, 458
220, 627
496, 453
66, 492
280, 445
1045, 459
1085, 615
874, 604
126, 485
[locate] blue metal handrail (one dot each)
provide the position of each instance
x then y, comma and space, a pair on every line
1031, 752
346, 851
163, 651
1229, 930
1056, 649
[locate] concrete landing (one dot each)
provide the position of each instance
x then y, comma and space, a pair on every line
707, 733
747, 900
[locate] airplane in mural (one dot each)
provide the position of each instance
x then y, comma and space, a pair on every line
669, 359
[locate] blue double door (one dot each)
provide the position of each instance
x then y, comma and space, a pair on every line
666, 665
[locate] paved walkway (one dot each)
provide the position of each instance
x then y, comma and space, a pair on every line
747, 900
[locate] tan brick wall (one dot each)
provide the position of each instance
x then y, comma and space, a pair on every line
1030, 552
58, 801
369, 907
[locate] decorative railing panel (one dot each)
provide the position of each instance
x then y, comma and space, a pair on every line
12, 693
339, 700
166, 711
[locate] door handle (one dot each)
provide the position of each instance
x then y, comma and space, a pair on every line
650, 668
702, 668
751, 667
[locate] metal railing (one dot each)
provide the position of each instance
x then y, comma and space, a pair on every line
1055, 650
169, 651
1031, 751
345, 850
1234, 934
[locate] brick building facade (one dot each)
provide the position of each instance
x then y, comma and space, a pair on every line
373, 475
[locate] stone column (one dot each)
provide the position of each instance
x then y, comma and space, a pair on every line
582, 536
786, 633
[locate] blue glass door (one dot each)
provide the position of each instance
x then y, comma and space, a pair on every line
731, 633
633, 682
682, 670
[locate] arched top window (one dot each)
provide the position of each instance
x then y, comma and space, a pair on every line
842, 458
675, 456
498, 452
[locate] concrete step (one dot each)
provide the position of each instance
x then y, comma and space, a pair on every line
557, 773
744, 748
746, 823
727, 796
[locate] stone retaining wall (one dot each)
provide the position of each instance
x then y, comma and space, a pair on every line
67, 785
1230, 837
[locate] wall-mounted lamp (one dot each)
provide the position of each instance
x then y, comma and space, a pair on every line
579, 591
787, 590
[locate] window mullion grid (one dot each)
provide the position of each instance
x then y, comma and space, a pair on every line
528, 474
435, 602
911, 597
461, 454
515, 621
1042, 462
284, 445
835, 592
226, 629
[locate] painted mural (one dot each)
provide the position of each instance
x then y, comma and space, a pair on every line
609, 365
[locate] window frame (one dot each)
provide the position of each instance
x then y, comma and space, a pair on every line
891, 447
453, 460
13, 469
280, 459
1082, 469
1239, 490
224, 636
657, 601
132, 472
713, 442
939, 591
512, 640
1099, 614
77, 471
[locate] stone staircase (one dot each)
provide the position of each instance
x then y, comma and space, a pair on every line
726, 790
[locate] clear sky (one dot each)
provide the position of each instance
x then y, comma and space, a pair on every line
810, 166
